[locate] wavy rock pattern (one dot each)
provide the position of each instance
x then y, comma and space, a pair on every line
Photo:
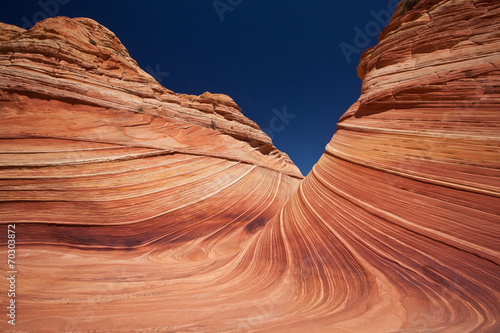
136, 213
403, 208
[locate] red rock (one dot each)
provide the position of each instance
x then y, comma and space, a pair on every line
117, 186
134, 211
403, 208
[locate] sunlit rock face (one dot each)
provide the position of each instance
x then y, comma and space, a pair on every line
141, 210
397, 227
132, 204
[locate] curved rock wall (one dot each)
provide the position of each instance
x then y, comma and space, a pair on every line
134, 213
401, 215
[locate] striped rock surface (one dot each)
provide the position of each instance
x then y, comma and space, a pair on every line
141, 210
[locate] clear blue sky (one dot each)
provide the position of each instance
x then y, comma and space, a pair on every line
265, 54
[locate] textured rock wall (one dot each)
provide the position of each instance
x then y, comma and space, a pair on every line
403, 208
135, 214
119, 187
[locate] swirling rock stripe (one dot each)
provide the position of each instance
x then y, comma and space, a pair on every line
133, 223
408, 188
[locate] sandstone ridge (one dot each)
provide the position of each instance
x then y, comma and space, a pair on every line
141, 210
79, 64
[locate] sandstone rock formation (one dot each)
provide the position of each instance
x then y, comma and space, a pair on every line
135, 212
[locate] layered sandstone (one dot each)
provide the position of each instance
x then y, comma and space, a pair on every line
119, 187
141, 210
403, 208
79, 66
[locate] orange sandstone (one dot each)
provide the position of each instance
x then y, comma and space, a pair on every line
141, 210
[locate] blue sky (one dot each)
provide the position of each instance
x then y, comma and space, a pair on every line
272, 57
